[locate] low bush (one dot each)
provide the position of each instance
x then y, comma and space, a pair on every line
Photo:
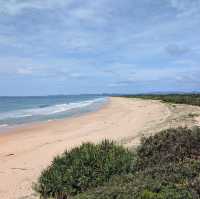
165, 166
191, 99
172, 145
137, 186
82, 168
168, 167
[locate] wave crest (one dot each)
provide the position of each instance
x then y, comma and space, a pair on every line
49, 110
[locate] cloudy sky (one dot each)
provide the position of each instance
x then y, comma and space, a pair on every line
87, 46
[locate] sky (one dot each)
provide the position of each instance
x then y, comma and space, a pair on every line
105, 46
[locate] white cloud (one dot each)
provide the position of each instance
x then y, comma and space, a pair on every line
25, 71
180, 4
13, 7
77, 75
21, 66
186, 8
176, 50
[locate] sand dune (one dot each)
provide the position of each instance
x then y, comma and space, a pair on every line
25, 151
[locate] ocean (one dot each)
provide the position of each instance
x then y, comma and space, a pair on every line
23, 110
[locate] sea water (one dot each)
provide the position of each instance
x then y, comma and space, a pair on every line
22, 110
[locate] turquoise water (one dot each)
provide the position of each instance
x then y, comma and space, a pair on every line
22, 110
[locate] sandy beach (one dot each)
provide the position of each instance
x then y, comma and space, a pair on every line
26, 151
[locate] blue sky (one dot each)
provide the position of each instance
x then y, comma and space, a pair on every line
87, 46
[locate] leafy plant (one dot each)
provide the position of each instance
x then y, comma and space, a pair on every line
164, 166
84, 167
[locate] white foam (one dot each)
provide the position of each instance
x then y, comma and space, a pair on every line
3, 125
50, 110
25, 115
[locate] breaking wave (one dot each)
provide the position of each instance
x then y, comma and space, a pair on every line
49, 110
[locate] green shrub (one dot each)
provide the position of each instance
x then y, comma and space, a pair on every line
82, 168
168, 167
172, 145
137, 187
165, 166
192, 99
178, 173
195, 185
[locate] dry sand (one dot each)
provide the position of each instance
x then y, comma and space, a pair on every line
26, 151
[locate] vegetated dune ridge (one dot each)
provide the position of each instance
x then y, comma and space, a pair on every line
26, 151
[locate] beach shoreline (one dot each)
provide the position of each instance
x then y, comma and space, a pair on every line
25, 152
7, 128
10, 130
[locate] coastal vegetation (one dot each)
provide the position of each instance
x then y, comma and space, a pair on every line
84, 167
164, 166
191, 99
